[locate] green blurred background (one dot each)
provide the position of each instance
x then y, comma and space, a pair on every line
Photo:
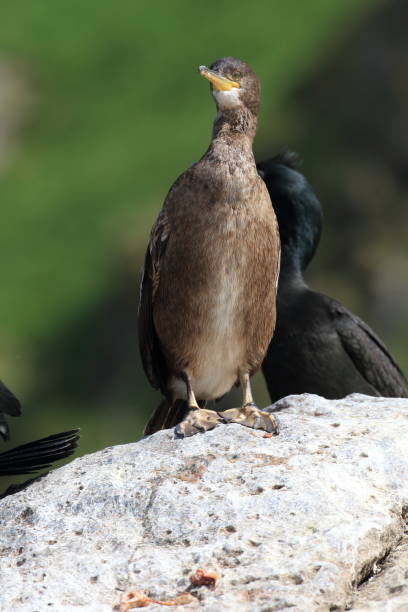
101, 108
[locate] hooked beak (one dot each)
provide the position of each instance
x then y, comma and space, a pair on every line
219, 82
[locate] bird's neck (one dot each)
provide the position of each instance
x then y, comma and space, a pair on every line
236, 124
233, 133
291, 272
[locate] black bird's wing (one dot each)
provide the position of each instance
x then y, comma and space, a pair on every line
4, 428
151, 353
9, 404
38, 455
369, 355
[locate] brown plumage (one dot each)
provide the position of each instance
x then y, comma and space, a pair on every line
207, 305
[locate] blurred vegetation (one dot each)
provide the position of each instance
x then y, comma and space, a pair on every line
113, 112
353, 118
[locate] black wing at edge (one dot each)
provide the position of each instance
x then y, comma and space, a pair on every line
9, 404
38, 455
369, 355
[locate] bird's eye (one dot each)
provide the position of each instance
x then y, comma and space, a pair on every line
236, 75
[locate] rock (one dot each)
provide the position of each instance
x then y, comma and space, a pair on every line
387, 589
294, 521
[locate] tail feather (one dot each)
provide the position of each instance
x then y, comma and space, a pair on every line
157, 419
40, 454
168, 415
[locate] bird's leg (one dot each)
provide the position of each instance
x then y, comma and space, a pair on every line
249, 414
247, 399
198, 419
191, 398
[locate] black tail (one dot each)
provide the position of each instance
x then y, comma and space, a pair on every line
168, 415
38, 455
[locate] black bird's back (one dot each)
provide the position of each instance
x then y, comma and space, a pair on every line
320, 347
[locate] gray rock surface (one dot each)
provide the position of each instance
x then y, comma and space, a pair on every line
387, 589
297, 520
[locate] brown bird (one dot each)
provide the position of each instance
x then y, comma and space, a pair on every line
207, 304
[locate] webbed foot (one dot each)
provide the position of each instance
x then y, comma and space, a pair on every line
197, 420
251, 416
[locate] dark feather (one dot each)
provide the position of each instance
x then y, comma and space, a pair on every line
9, 404
38, 455
369, 355
151, 353
287, 158
168, 415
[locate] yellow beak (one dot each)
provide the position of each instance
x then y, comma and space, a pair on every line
220, 83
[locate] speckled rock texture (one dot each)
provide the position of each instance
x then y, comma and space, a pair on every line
387, 589
294, 521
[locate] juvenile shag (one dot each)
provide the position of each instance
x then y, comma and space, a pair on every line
207, 304
34, 456
318, 346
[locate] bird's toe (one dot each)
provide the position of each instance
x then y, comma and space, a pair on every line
253, 417
197, 421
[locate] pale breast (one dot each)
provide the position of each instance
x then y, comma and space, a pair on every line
221, 350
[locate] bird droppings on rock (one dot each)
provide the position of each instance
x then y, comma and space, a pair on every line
279, 537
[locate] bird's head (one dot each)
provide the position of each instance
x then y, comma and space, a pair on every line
296, 206
234, 85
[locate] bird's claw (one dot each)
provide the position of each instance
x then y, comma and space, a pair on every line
251, 416
197, 421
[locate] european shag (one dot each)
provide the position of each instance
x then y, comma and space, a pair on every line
207, 305
34, 456
318, 346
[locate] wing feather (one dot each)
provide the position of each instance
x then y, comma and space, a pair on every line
369, 355
150, 350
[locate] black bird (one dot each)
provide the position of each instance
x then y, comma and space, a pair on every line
34, 456
319, 346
